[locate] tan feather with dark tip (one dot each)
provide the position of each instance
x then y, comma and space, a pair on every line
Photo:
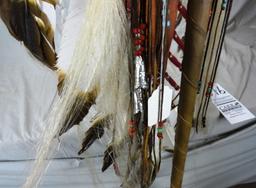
80, 108
96, 131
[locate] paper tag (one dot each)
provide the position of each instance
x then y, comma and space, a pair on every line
170, 129
233, 110
153, 106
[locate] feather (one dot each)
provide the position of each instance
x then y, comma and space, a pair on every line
100, 60
79, 109
95, 132
27, 23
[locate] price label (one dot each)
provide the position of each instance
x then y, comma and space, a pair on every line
233, 110
153, 106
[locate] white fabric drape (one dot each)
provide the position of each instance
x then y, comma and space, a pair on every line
27, 89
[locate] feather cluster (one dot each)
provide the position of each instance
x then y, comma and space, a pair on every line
100, 64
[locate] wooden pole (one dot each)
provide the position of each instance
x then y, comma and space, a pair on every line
195, 38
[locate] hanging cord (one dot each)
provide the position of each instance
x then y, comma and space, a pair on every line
226, 5
207, 87
200, 86
163, 59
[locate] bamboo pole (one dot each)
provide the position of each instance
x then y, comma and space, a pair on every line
195, 38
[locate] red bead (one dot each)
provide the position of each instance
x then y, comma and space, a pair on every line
210, 84
137, 53
131, 122
161, 124
160, 135
131, 131
138, 42
142, 37
142, 49
135, 30
142, 26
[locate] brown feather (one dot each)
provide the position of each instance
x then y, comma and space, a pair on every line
22, 24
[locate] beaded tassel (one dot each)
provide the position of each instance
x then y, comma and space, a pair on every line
131, 128
160, 130
209, 89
